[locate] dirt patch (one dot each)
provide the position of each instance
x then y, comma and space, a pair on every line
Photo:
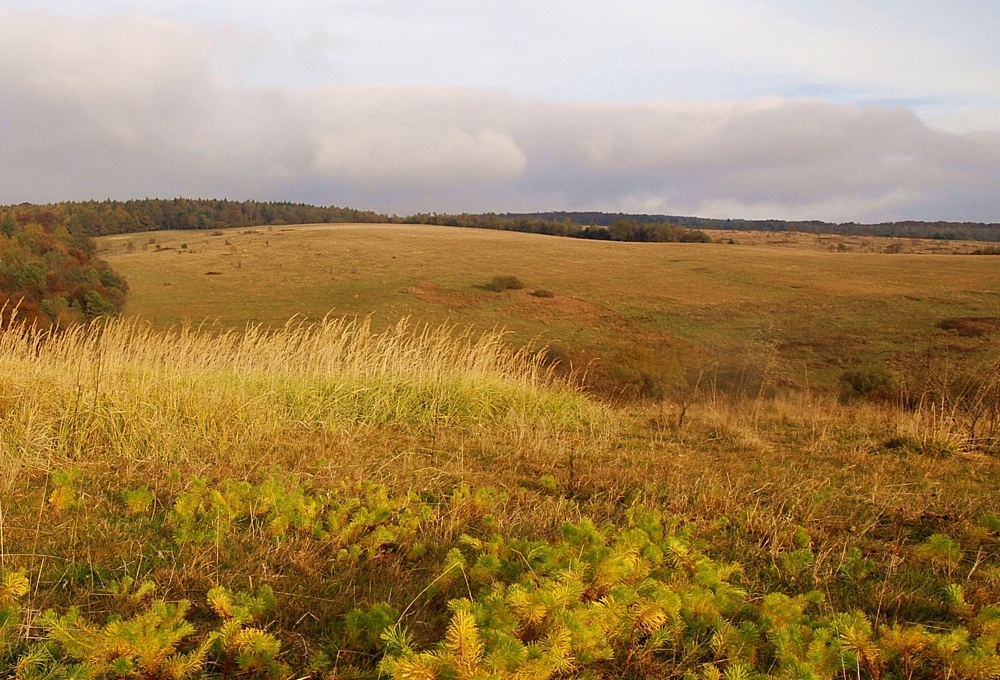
971, 326
558, 307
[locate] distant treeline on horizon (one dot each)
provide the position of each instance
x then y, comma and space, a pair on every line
956, 231
99, 218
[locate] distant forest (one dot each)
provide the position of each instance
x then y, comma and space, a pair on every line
98, 218
958, 231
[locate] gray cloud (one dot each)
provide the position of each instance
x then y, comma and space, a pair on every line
129, 107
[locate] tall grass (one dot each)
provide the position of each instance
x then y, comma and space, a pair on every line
120, 390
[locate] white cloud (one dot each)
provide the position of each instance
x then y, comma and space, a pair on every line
130, 106
928, 53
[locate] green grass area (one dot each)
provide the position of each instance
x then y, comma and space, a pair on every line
362, 499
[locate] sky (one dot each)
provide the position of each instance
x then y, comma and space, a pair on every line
840, 110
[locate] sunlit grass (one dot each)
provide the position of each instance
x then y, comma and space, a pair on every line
121, 390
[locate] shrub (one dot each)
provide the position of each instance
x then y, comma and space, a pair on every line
542, 293
867, 383
988, 250
501, 283
695, 236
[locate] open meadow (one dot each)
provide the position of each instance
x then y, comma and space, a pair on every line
765, 462
635, 315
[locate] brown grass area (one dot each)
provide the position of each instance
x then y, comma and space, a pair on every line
824, 311
90, 415
434, 294
892, 245
567, 308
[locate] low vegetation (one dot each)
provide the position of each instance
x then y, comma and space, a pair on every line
667, 488
322, 500
501, 283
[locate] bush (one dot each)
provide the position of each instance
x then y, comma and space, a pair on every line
501, 283
695, 236
542, 293
866, 383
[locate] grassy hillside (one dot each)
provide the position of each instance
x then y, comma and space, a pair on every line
646, 314
346, 498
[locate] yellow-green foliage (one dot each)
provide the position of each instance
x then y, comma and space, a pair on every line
641, 601
145, 645
158, 642
13, 586
357, 521
639, 598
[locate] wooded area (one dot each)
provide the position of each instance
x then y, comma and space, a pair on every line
99, 218
49, 275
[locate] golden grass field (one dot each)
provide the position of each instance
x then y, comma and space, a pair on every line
681, 306
351, 496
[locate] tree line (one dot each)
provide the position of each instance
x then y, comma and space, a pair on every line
100, 218
619, 230
961, 231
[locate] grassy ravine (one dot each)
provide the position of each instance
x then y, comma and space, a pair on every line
325, 501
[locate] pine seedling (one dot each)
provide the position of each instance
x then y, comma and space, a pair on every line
954, 597
795, 563
146, 644
13, 586
941, 551
138, 501
364, 627
250, 648
129, 590
64, 495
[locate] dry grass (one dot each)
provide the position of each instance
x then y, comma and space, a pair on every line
890, 245
122, 391
97, 412
687, 306
90, 414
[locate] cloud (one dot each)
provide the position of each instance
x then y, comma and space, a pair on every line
130, 106
938, 56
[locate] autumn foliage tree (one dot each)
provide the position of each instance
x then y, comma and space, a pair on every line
49, 275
